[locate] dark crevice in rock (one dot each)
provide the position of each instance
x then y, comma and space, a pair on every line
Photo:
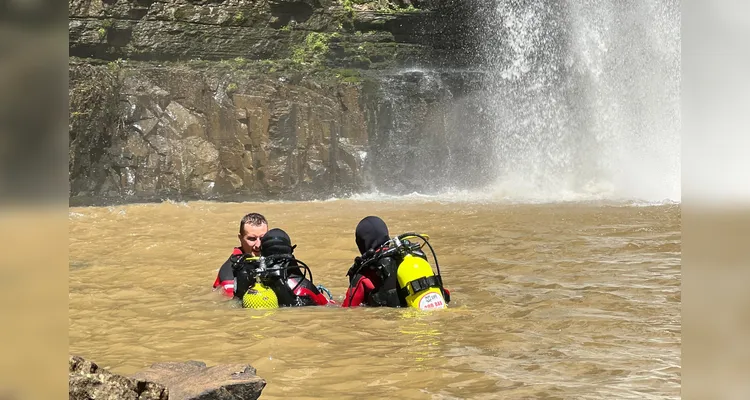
286, 12
137, 13
189, 107
144, 3
95, 18
148, 142
119, 37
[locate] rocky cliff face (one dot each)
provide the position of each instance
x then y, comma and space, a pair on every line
251, 100
205, 132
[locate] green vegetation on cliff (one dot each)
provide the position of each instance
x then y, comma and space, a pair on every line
211, 98
386, 6
313, 50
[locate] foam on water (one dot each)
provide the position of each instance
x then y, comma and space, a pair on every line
501, 197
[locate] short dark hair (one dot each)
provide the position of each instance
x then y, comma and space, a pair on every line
253, 219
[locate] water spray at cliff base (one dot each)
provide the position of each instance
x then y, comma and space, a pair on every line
581, 102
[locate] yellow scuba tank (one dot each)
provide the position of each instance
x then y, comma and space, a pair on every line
415, 276
260, 296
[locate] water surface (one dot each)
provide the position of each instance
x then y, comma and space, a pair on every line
566, 300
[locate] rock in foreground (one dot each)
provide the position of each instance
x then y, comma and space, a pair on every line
174, 381
193, 380
87, 381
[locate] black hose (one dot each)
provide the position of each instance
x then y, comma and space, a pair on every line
298, 265
427, 242
388, 253
303, 274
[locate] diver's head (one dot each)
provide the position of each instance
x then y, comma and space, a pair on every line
371, 233
252, 227
276, 242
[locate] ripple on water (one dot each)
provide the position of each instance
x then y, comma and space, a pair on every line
549, 301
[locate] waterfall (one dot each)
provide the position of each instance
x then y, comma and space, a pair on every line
429, 136
571, 100
584, 98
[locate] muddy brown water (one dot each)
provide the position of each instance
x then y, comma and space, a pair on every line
569, 300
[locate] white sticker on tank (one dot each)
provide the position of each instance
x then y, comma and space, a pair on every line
431, 301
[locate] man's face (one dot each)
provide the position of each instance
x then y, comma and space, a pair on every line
250, 238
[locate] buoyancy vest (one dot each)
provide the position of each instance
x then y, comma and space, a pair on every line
289, 284
382, 274
394, 282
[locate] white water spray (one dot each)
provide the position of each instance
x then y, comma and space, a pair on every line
585, 99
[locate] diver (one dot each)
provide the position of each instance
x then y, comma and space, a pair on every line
276, 269
392, 272
252, 228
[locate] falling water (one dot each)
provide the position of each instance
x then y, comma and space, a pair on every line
424, 142
584, 98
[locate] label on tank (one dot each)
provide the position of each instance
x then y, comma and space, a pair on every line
431, 301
